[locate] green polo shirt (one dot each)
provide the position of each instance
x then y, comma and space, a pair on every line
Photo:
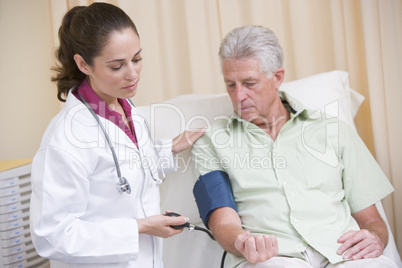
302, 187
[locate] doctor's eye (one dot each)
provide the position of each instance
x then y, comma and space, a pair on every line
137, 60
116, 68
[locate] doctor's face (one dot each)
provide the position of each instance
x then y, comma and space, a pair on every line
254, 95
115, 73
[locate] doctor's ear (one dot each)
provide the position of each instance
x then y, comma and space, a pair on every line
81, 64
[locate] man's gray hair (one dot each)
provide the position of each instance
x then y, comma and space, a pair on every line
253, 42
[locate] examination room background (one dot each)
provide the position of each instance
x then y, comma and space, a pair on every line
180, 40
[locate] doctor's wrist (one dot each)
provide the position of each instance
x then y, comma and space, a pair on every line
142, 226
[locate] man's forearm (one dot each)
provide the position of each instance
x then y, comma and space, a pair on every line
369, 219
379, 229
225, 225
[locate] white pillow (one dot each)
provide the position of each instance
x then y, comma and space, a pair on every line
168, 119
329, 92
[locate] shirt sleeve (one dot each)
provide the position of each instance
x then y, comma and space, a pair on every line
60, 191
204, 157
364, 181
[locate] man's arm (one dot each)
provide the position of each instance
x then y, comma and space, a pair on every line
226, 227
370, 241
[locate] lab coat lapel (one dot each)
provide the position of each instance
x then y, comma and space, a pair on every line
119, 137
141, 130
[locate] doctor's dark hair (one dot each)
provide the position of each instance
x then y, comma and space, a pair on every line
85, 30
255, 42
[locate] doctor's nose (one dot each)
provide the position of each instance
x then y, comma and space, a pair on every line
133, 72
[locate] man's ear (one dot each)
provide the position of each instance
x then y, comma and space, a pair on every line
81, 64
279, 76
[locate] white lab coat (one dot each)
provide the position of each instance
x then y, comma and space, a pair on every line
77, 217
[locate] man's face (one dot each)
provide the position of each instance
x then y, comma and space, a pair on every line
254, 95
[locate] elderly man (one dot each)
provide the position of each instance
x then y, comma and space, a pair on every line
268, 199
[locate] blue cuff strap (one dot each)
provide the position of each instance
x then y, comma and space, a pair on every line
212, 191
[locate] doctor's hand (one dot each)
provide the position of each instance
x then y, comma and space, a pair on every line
256, 248
186, 139
159, 225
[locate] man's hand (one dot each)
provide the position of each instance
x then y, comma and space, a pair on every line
361, 244
226, 227
256, 248
370, 241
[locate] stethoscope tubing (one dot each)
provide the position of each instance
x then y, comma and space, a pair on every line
123, 186
106, 137
158, 181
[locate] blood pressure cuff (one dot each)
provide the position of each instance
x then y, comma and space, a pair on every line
212, 191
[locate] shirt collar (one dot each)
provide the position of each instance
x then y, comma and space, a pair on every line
295, 107
98, 105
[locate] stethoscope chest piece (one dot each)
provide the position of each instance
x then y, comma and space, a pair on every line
123, 186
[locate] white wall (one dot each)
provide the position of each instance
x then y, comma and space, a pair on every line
27, 97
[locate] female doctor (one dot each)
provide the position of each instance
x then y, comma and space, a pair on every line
78, 216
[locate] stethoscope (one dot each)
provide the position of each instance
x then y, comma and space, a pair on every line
122, 186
